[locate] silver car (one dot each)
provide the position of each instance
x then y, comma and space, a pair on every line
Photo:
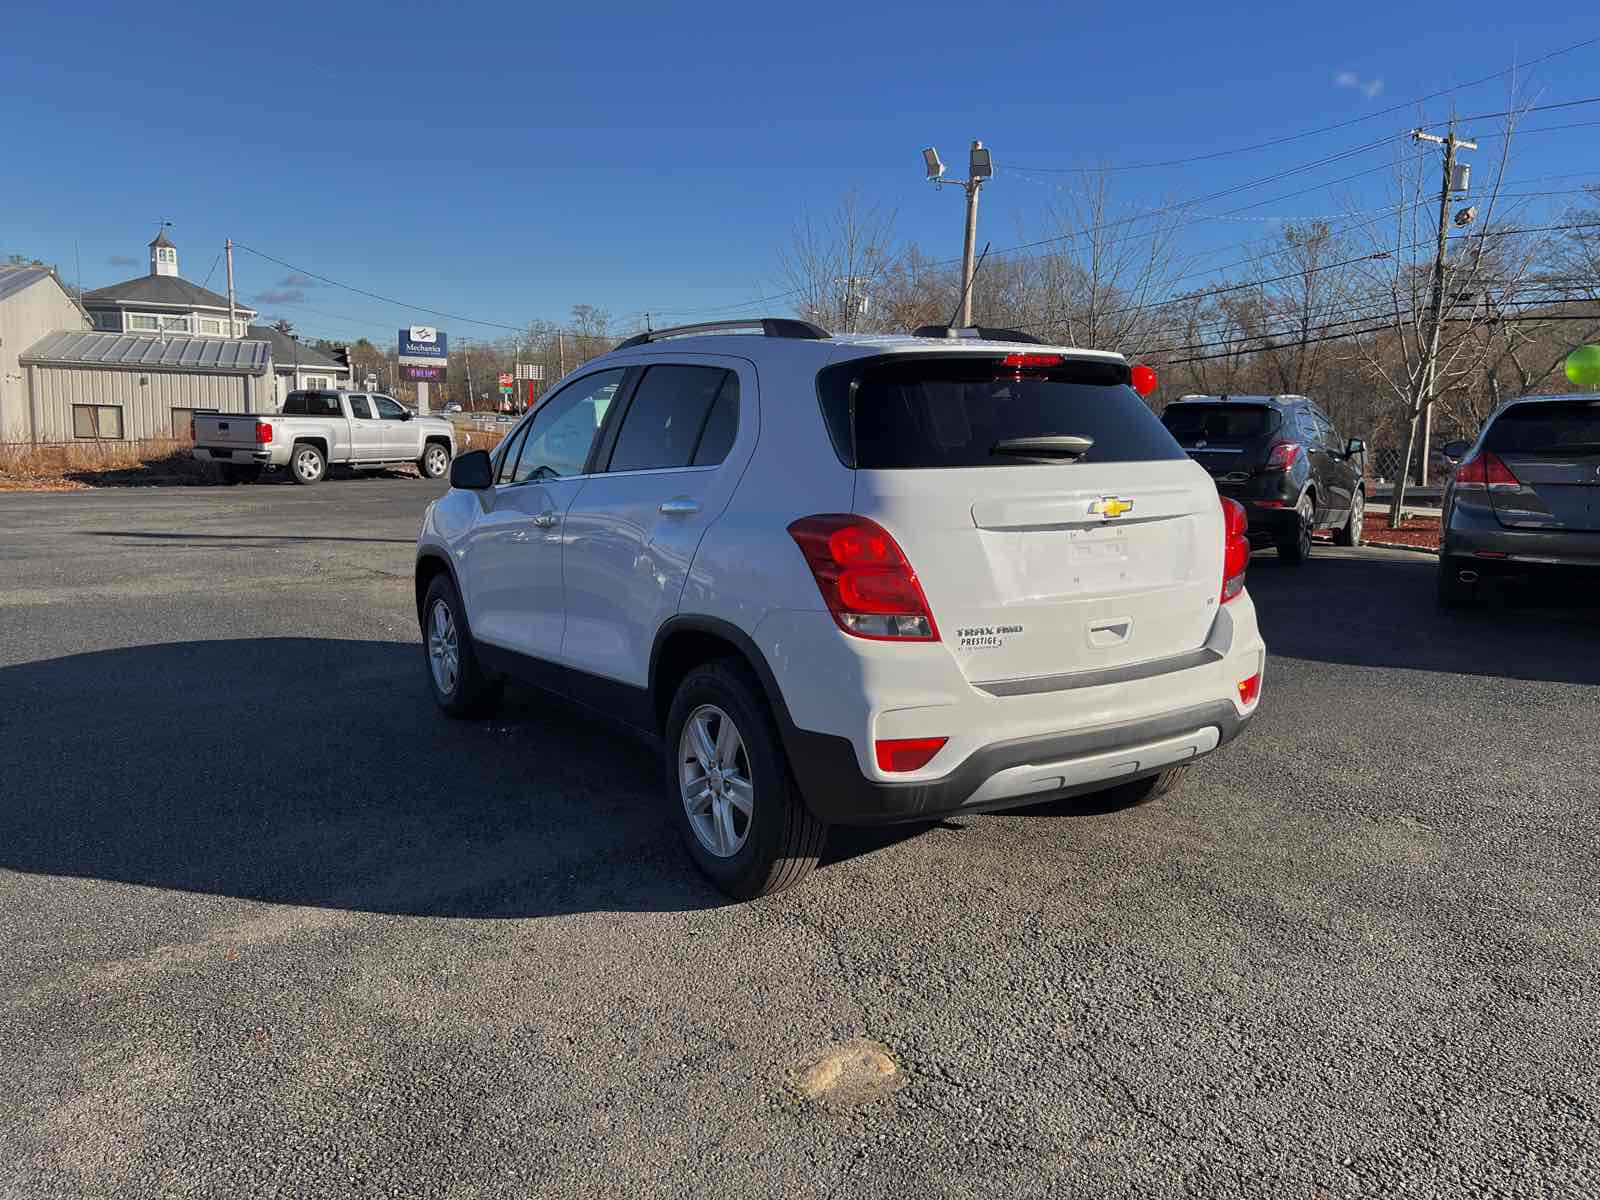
1525, 497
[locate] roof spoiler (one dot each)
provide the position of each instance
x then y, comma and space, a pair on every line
976, 332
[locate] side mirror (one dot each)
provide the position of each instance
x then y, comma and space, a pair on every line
405, 414
1354, 447
472, 471
1455, 451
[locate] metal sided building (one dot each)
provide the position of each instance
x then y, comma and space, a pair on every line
32, 304
118, 385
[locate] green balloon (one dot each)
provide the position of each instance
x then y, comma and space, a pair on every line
1583, 366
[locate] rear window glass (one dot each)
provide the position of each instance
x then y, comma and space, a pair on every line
901, 413
312, 404
1219, 422
1547, 428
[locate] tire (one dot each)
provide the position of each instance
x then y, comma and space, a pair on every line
1349, 534
307, 464
459, 683
777, 842
1144, 791
1295, 548
1453, 594
435, 461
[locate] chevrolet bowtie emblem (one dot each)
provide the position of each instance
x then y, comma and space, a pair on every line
1110, 506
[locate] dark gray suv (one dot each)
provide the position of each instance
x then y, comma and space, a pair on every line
1525, 498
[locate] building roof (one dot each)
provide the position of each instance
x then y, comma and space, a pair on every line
286, 351
14, 279
70, 348
162, 289
161, 239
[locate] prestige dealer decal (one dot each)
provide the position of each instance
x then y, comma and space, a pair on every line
984, 637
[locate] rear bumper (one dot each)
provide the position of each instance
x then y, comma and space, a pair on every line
221, 455
1475, 534
1268, 523
1011, 773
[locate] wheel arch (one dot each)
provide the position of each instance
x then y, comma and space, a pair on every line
311, 439
430, 565
684, 643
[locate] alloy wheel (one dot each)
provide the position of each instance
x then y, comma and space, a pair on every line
444, 650
434, 461
1308, 517
307, 465
715, 781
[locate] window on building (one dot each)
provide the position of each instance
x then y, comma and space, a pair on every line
96, 421
183, 422
316, 381
212, 325
144, 321
165, 255
238, 328
176, 325
108, 320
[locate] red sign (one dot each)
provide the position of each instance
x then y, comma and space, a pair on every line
505, 378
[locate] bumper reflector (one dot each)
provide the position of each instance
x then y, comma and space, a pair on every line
907, 754
1250, 689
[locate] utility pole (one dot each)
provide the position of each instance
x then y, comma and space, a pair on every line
980, 167
233, 316
561, 356
1451, 144
466, 353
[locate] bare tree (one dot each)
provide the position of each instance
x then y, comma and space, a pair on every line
838, 267
1427, 314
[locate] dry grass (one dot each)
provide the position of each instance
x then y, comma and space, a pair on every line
158, 462
72, 465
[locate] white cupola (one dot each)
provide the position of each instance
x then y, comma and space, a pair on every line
163, 255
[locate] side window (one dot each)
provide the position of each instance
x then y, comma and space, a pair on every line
722, 423
562, 434
388, 409
665, 420
359, 408
509, 449
1330, 435
1307, 425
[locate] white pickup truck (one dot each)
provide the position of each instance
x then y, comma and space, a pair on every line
317, 429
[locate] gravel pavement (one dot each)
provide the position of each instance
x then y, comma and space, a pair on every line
271, 925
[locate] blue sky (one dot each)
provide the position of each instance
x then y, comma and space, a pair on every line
506, 161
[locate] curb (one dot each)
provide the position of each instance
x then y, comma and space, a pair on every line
1400, 546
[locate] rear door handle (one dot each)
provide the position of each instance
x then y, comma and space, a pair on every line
680, 507
546, 519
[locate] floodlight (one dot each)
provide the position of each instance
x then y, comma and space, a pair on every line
1467, 215
981, 166
930, 160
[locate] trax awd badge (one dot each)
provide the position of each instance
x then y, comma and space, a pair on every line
1110, 506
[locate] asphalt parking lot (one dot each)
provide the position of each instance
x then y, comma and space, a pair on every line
271, 925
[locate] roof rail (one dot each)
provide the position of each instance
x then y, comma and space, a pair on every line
779, 327
986, 332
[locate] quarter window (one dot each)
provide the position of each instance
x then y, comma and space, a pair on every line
96, 421
670, 411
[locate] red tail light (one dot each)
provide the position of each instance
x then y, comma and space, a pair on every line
1485, 470
1143, 380
1282, 455
907, 754
1235, 548
865, 580
263, 432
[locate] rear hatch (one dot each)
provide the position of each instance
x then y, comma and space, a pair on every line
1553, 449
1229, 440
1055, 526
225, 431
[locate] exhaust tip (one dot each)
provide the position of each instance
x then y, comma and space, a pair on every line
1468, 577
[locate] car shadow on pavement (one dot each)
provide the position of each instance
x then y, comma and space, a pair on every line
1378, 609
319, 772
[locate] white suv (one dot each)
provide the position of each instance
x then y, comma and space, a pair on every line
850, 580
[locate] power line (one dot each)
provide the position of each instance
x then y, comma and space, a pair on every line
1383, 112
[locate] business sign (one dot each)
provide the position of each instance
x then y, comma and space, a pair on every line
423, 345
505, 379
422, 372
530, 370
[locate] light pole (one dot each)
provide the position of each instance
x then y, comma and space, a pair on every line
980, 166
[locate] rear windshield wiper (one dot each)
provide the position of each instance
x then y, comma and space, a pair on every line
1052, 446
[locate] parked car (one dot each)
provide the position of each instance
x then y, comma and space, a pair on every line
1280, 457
319, 428
1525, 497
850, 580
